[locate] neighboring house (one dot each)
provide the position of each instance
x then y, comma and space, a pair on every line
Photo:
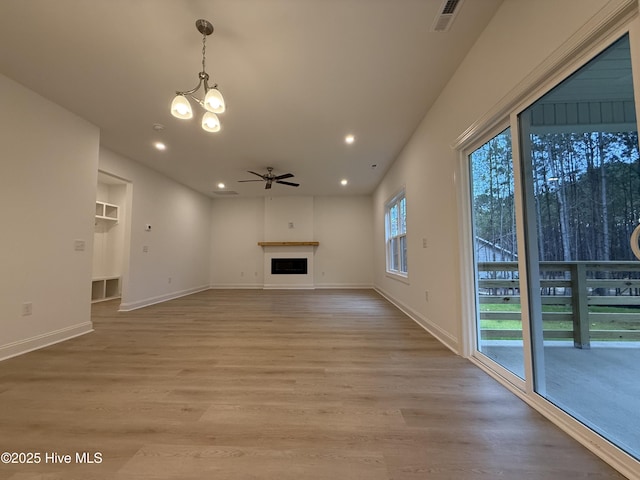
486, 251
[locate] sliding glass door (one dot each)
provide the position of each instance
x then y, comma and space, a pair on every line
581, 184
558, 237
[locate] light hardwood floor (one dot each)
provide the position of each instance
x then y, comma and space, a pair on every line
285, 384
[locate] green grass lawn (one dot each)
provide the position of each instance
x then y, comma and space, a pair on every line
516, 324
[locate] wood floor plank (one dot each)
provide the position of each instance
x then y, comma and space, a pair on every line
273, 384
195, 462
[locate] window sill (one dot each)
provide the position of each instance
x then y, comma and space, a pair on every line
398, 277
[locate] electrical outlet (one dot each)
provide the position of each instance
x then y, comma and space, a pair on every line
425, 243
426, 295
27, 309
169, 280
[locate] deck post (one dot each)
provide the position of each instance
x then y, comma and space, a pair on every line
580, 304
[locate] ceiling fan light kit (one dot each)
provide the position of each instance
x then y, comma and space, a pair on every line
270, 178
212, 101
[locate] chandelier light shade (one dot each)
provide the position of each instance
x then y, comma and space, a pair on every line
212, 100
181, 108
210, 122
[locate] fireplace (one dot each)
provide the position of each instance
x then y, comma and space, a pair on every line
288, 266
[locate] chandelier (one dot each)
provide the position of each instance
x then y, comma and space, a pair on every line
212, 101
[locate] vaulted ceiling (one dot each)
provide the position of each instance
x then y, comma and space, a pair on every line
297, 77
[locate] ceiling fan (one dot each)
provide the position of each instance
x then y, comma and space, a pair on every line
270, 178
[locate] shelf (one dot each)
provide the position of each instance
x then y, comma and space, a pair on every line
107, 211
288, 244
105, 288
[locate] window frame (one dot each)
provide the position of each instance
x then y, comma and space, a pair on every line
396, 243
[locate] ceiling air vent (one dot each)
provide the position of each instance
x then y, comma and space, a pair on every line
443, 21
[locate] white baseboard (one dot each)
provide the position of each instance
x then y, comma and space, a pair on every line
236, 286
262, 286
44, 340
441, 335
127, 307
290, 286
346, 286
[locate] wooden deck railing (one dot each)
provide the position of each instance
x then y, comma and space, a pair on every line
589, 295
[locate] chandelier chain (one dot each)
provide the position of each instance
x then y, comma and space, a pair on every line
204, 51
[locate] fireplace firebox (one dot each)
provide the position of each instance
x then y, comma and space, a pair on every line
288, 266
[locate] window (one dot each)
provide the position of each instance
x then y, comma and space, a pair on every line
396, 232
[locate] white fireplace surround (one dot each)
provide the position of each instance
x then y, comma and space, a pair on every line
291, 281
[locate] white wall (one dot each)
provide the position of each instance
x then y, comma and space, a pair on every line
48, 171
344, 228
176, 261
288, 219
521, 35
237, 225
342, 225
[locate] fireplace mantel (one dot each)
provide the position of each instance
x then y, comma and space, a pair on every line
288, 244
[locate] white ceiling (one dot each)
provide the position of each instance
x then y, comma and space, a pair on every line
297, 76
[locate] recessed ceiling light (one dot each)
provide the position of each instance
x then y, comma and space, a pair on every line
349, 139
221, 185
343, 181
160, 146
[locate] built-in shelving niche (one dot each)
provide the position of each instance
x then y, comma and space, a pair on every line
108, 240
107, 211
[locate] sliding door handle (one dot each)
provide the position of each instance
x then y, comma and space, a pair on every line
634, 242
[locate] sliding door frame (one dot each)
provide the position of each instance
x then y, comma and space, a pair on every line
471, 309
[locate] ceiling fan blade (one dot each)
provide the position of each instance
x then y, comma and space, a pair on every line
286, 175
288, 183
250, 180
261, 176
267, 186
